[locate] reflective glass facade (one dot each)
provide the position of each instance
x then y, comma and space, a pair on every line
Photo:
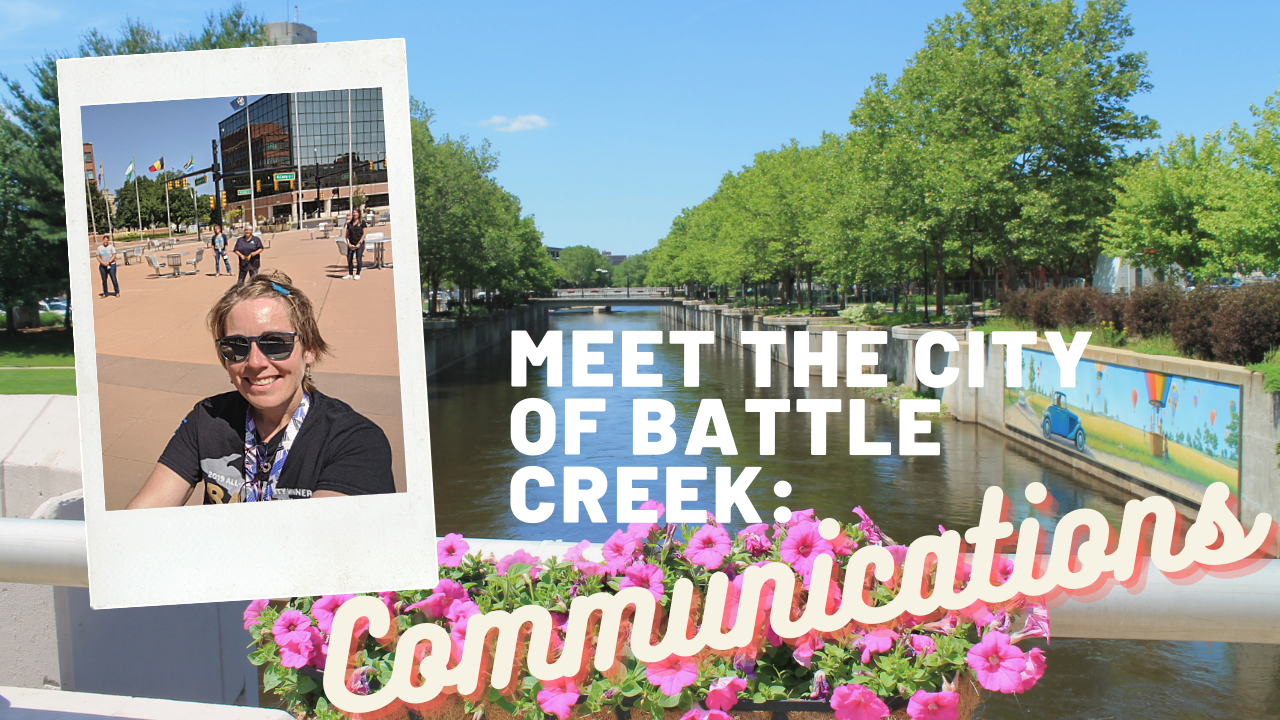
321, 136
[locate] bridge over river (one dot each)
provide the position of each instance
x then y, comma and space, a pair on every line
607, 297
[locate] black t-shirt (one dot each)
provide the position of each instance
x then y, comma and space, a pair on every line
355, 232
336, 449
244, 247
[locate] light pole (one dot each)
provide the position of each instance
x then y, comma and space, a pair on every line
972, 233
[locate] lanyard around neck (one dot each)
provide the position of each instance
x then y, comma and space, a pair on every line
255, 489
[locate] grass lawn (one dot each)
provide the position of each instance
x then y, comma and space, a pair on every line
35, 348
58, 381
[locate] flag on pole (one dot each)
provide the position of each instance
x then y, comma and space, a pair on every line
239, 102
128, 172
191, 162
157, 166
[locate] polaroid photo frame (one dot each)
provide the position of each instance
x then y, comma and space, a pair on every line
250, 550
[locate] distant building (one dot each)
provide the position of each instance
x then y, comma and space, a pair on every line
290, 33
110, 197
1113, 275
89, 164
306, 152
615, 259
554, 252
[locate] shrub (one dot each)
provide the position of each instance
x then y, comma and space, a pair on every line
1192, 329
1075, 307
1247, 324
1041, 310
863, 313
1017, 305
1109, 309
1151, 309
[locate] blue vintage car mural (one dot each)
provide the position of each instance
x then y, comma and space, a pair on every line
1059, 420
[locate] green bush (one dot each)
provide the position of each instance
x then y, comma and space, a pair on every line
1247, 324
862, 314
1151, 309
1192, 329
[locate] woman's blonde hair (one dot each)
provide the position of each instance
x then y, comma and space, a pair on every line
302, 314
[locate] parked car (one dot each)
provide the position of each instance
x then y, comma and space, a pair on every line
1058, 420
54, 305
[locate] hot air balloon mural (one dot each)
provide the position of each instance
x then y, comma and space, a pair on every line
1158, 385
1134, 395
1213, 417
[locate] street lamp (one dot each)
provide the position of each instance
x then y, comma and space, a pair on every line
972, 234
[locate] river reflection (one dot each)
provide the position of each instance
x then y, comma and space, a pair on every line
470, 405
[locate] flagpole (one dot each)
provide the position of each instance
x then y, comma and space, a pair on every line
138, 197
248, 136
89, 191
102, 172
167, 216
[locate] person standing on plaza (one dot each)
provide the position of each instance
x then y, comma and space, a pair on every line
107, 265
355, 244
249, 250
219, 243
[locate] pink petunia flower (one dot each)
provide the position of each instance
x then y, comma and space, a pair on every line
641, 530
843, 544
922, 644
1034, 670
899, 553
320, 645
673, 675
444, 595
696, 714
877, 641
620, 550
802, 546
855, 702
460, 610
644, 575
557, 697
252, 612
709, 546
324, 608
1036, 625
934, 706
390, 599
723, 693
451, 550
297, 649
997, 664
290, 622
869, 529
806, 646
755, 539
519, 557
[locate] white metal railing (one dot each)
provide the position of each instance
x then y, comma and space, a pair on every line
1241, 609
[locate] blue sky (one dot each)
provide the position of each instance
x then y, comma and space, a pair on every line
642, 107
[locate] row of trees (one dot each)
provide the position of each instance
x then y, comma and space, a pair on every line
1003, 140
471, 232
33, 223
147, 198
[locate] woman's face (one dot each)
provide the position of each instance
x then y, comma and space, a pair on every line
264, 382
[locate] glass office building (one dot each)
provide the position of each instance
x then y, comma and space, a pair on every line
330, 140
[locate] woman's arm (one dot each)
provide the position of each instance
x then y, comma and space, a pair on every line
165, 488
327, 493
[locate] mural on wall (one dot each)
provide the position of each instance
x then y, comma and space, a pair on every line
1173, 432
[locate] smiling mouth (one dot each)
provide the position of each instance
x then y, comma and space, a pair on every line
261, 382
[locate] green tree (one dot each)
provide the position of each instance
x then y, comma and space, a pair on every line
579, 265
632, 271
33, 232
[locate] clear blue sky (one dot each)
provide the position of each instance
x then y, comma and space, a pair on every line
642, 107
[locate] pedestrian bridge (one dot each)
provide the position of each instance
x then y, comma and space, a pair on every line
606, 297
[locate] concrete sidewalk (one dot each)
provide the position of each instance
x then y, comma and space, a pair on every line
156, 358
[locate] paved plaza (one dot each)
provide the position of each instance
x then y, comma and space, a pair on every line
156, 358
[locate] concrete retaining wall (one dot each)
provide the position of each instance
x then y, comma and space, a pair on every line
452, 341
1260, 411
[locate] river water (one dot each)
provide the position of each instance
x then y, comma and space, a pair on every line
473, 462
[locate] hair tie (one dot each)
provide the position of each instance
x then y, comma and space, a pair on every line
279, 289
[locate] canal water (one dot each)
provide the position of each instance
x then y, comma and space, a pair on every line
473, 462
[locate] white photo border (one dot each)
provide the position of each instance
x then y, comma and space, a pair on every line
347, 545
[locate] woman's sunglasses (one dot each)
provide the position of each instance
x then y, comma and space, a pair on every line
275, 345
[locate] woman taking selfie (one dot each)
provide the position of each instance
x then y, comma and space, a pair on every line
275, 437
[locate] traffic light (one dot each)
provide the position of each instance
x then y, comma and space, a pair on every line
184, 183
224, 198
370, 166
290, 184
259, 186
211, 202
276, 185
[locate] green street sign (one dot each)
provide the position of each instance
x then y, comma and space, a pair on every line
200, 180
346, 175
245, 191
285, 176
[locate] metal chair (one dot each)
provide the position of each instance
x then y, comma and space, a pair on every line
193, 262
154, 263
